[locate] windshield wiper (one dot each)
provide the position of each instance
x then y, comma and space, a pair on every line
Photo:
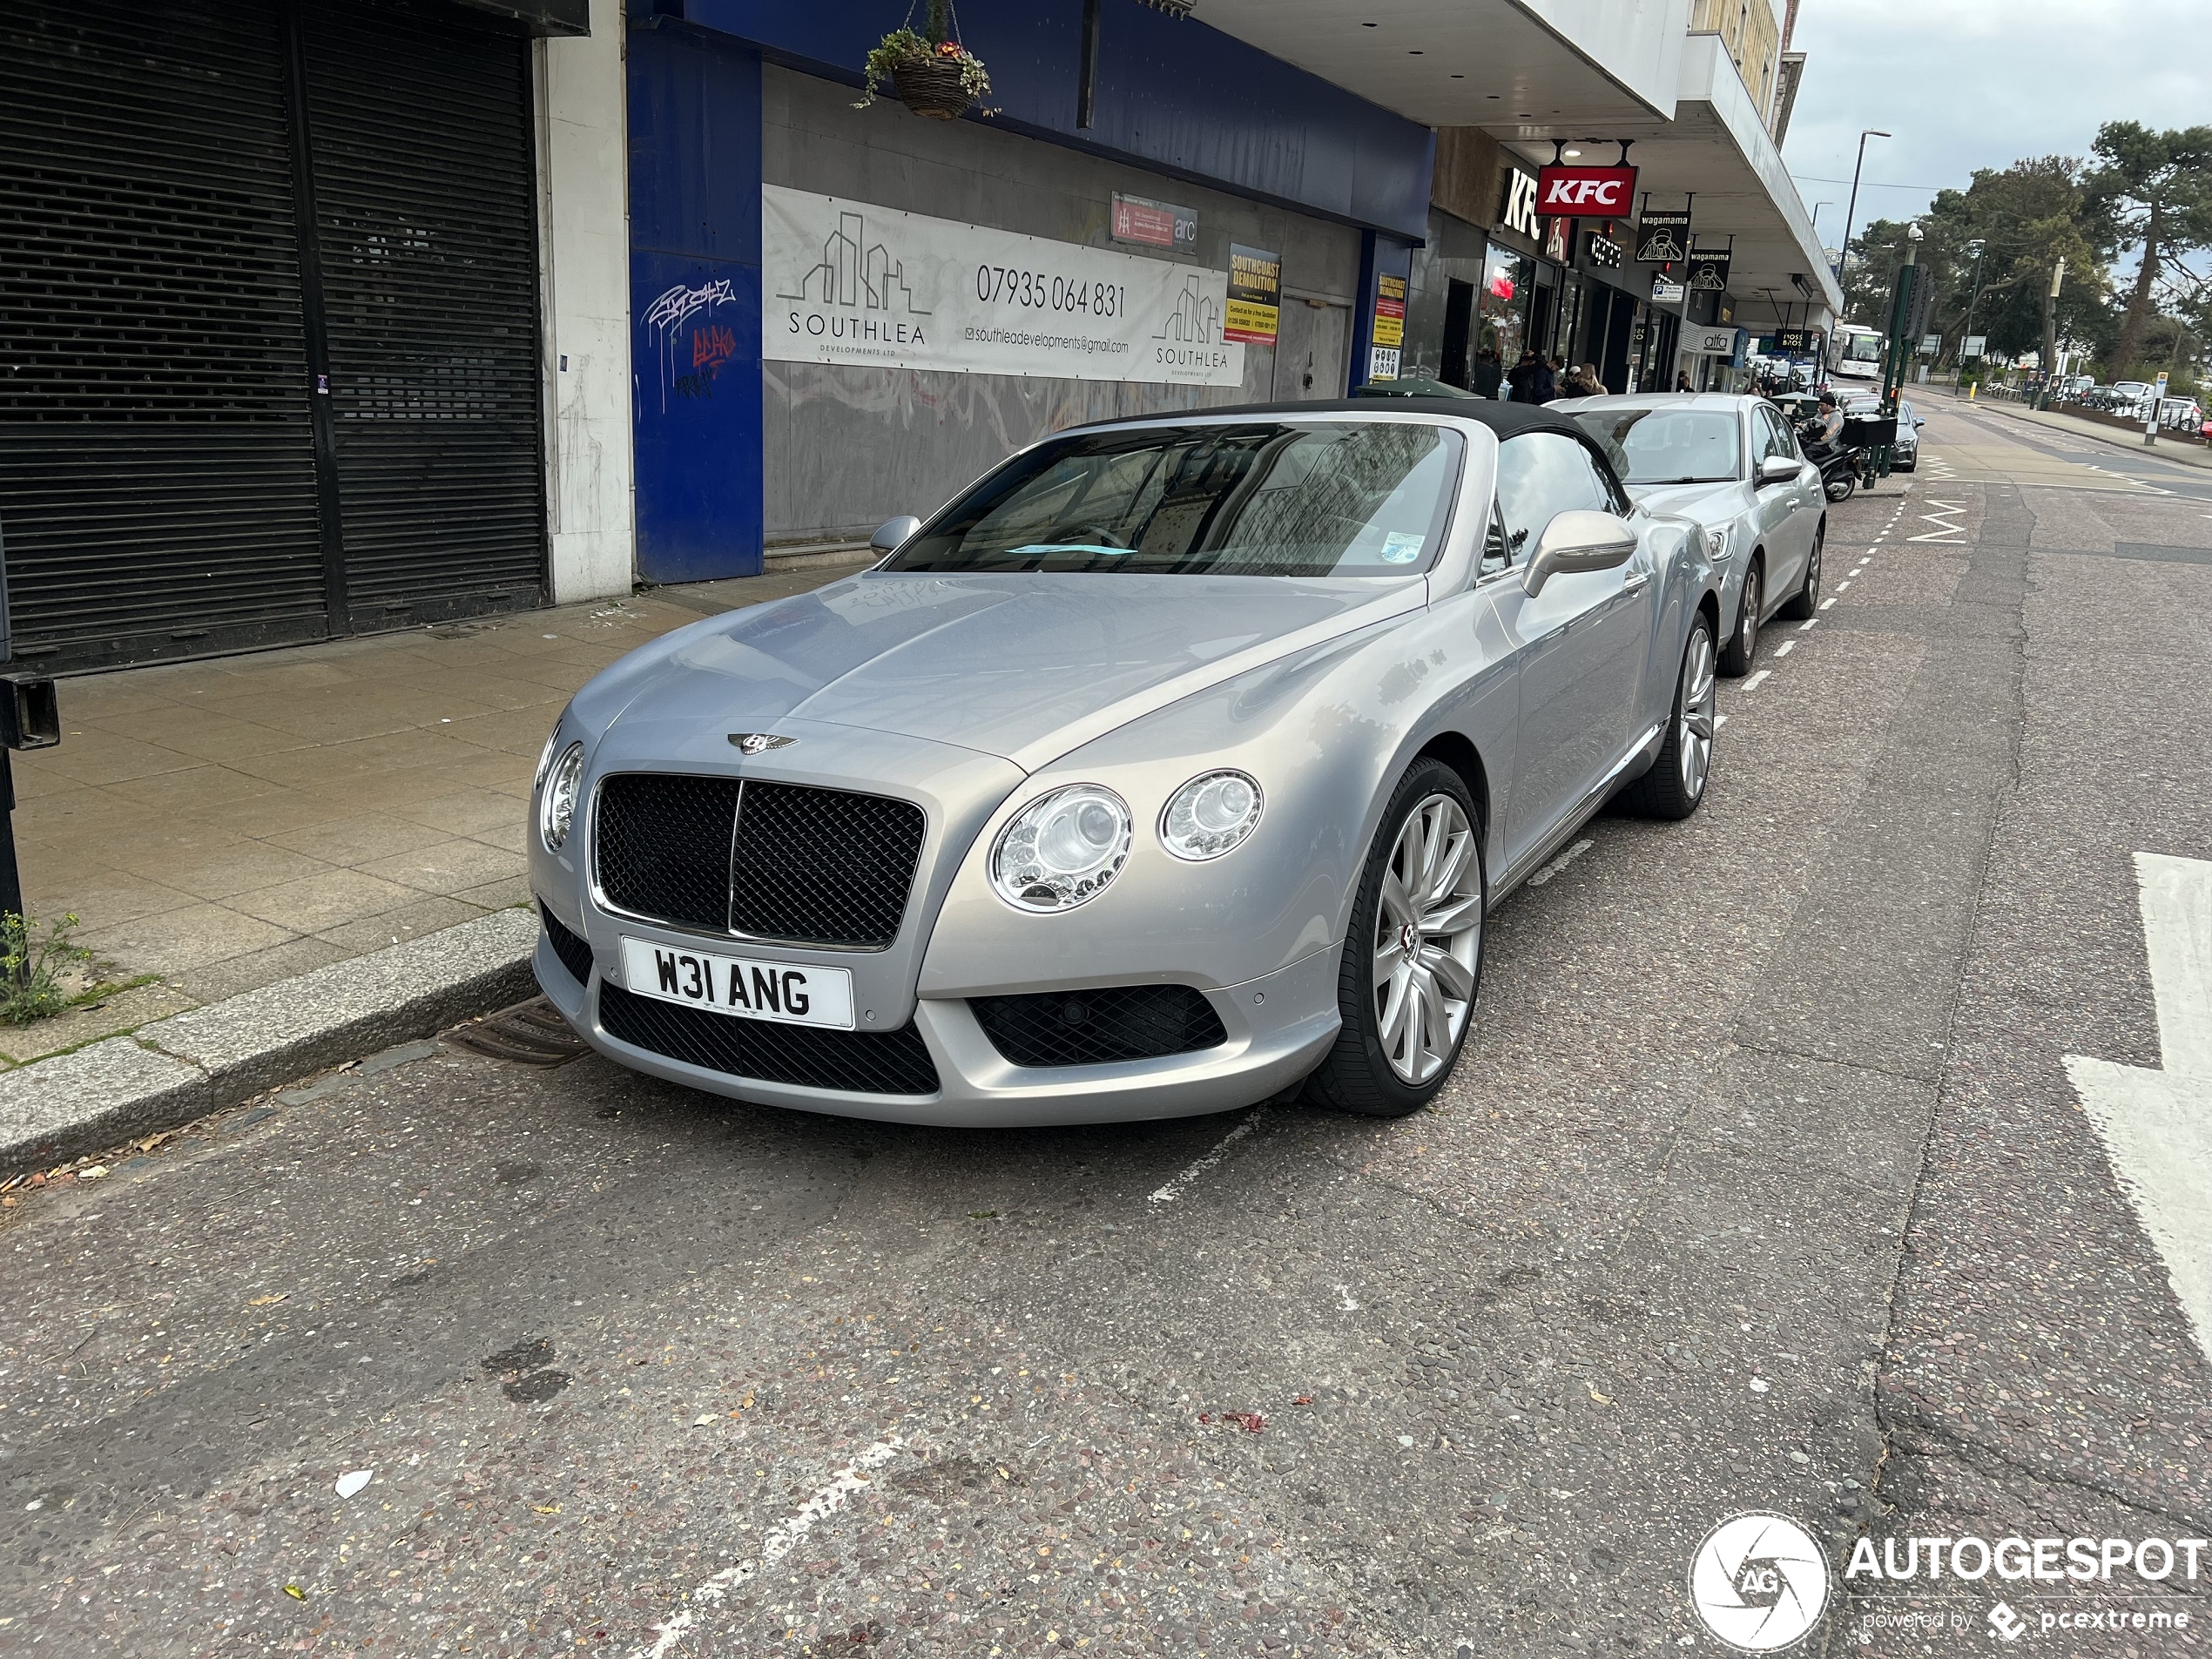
1723, 479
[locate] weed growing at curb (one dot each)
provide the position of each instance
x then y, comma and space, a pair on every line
31, 966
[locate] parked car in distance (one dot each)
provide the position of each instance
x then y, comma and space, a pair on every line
1905, 454
1176, 761
1733, 464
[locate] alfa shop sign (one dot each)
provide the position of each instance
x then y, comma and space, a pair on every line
1586, 192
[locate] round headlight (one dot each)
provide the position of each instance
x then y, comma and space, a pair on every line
1062, 848
1210, 814
557, 800
545, 755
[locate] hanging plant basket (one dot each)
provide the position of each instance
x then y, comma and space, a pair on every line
930, 73
934, 86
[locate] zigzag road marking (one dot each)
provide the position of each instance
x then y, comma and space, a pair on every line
1948, 529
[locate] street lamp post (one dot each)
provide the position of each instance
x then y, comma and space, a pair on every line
1850, 214
1974, 294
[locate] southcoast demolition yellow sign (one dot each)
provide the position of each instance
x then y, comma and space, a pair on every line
1255, 295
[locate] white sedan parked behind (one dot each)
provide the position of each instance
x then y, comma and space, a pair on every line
1732, 464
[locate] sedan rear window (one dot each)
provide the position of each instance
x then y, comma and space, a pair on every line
1667, 446
1275, 498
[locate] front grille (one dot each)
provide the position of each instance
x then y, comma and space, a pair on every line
780, 861
574, 951
855, 1063
822, 865
662, 847
1093, 1027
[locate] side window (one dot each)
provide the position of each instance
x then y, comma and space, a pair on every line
1497, 553
1778, 439
1542, 474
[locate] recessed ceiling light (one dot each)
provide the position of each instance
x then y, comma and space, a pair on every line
1524, 115
1413, 52
1368, 26
1493, 97
1570, 152
1458, 78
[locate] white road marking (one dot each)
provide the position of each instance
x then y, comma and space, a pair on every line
1840, 586
786, 1537
1808, 625
1181, 1184
1944, 519
1827, 604
1719, 720
1752, 684
1560, 863
2157, 1125
1785, 648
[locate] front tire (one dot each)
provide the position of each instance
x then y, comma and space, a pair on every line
1805, 602
1412, 957
1676, 785
1840, 486
1743, 643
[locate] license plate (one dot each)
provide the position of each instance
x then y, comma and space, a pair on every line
739, 985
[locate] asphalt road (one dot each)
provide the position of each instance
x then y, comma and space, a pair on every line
1761, 1186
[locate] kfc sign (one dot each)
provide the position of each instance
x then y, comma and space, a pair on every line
1586, 192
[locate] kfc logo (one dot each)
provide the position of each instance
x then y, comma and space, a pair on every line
1587, 192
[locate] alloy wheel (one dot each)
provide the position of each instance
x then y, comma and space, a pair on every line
1428, 936
1696, 748
1748, 626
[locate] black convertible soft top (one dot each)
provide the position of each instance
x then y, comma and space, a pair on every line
1504, 419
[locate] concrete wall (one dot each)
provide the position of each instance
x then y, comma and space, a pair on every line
847, 447
584, 242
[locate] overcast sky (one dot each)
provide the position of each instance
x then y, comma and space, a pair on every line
1968, 83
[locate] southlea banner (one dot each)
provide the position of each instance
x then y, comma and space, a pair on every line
1586, 192
853, 282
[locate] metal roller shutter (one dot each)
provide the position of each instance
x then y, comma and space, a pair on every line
156, 468
426, 215
206, 206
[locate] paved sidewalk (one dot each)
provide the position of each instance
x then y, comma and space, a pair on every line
2167, 449
226, 824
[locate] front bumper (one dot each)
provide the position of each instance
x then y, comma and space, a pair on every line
1279, 1026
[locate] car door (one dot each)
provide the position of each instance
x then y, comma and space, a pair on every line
1796, 508
1580, 643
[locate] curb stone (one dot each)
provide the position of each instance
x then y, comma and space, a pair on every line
191, 1063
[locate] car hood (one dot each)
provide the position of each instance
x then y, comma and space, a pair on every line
1022, 666
1707, 504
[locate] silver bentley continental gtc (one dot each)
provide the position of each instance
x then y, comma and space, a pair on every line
1172, 766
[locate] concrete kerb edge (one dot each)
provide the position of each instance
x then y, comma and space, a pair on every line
2180, 454
191, 1063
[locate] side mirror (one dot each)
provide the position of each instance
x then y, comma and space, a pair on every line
1919, 420
892, 532
1574, 541
1778, 469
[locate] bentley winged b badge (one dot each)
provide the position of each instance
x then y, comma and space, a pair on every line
755, 743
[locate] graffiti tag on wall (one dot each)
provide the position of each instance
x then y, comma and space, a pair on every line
711, 344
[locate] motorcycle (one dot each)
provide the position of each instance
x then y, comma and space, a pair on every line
1844, 467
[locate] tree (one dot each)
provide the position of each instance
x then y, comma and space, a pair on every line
2026, 217
2153, 191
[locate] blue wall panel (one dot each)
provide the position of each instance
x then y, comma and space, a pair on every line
1173, 95
695, 304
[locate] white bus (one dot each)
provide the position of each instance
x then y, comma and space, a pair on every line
1856, 353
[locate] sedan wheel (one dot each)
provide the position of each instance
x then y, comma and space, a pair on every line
1676, 785
1744, 644
1805, 602
1414, 958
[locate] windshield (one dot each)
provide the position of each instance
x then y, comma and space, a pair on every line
1666, 446
1323, 498
1863, 348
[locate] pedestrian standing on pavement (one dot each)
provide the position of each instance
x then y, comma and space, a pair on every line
1543, 384
1681, 380
1489, 370
1522, 380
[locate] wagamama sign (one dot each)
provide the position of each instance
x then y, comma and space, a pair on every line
849, 282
